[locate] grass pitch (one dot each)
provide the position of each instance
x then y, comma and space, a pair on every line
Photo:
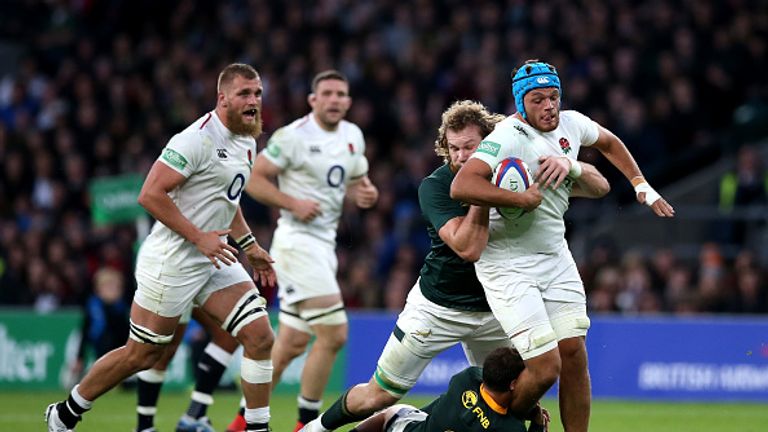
23, 411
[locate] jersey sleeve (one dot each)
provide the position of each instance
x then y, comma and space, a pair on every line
357, 147
436, 203
185, 153
588, 130
497, 146
281, 148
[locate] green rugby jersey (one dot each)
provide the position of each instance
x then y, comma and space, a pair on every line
464, 408
446, 279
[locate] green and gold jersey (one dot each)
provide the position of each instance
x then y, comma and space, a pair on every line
465, 407
446, 279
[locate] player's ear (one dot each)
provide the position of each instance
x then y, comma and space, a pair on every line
512, 384
222, 100
311, 99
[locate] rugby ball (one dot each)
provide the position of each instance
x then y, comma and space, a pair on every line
512, 174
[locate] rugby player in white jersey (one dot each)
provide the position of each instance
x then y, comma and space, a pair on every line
193, 190
527, 271
317, 161
446, 305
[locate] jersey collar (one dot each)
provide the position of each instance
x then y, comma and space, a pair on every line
490, 401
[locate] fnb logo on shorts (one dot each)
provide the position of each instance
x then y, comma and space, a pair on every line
542, 80
489, 147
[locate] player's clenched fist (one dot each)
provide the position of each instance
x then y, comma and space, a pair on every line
531, 198
365, 193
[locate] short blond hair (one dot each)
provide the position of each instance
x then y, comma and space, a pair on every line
460, 115
235, 69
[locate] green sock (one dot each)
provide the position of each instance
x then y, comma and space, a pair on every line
338, 415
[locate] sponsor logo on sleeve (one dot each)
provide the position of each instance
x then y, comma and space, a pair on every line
273, 149
175, 158
489, 147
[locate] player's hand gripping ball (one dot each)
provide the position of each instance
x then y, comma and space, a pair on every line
512, 174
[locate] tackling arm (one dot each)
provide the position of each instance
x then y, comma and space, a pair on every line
467, 235
471, 185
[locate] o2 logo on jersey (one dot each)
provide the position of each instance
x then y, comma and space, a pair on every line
236, 187
335, 176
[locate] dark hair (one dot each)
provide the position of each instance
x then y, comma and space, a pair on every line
330, 74
235, 69
501, 367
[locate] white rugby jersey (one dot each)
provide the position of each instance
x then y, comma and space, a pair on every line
217, 165
316, 164
542, 230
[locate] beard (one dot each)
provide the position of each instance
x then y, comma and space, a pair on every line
239, 127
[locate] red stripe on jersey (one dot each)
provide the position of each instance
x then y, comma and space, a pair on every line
304, 120
206, 121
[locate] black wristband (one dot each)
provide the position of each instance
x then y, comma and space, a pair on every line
246, 241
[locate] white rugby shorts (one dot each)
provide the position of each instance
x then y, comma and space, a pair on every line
172, 295
538, 299
424, 330
305, 267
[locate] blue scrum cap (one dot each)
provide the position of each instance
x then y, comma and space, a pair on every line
532, 76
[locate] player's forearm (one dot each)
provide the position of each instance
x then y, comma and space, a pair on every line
590, 184
474, 189
471, 235
239, 226
162, 208
266, 192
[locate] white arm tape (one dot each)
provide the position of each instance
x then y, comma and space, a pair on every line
576, 169
651, 196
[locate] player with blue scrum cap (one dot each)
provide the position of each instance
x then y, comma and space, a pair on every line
527, 271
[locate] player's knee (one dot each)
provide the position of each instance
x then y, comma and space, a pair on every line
144, 358
545, 368
333, 340
257, 339
251, 308
573, 351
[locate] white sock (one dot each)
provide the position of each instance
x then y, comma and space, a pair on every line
80, 400
257, 415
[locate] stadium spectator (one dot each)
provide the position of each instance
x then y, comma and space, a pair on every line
670, 75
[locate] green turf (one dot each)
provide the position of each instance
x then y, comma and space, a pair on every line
21, 412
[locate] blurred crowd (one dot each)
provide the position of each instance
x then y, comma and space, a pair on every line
98, 87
